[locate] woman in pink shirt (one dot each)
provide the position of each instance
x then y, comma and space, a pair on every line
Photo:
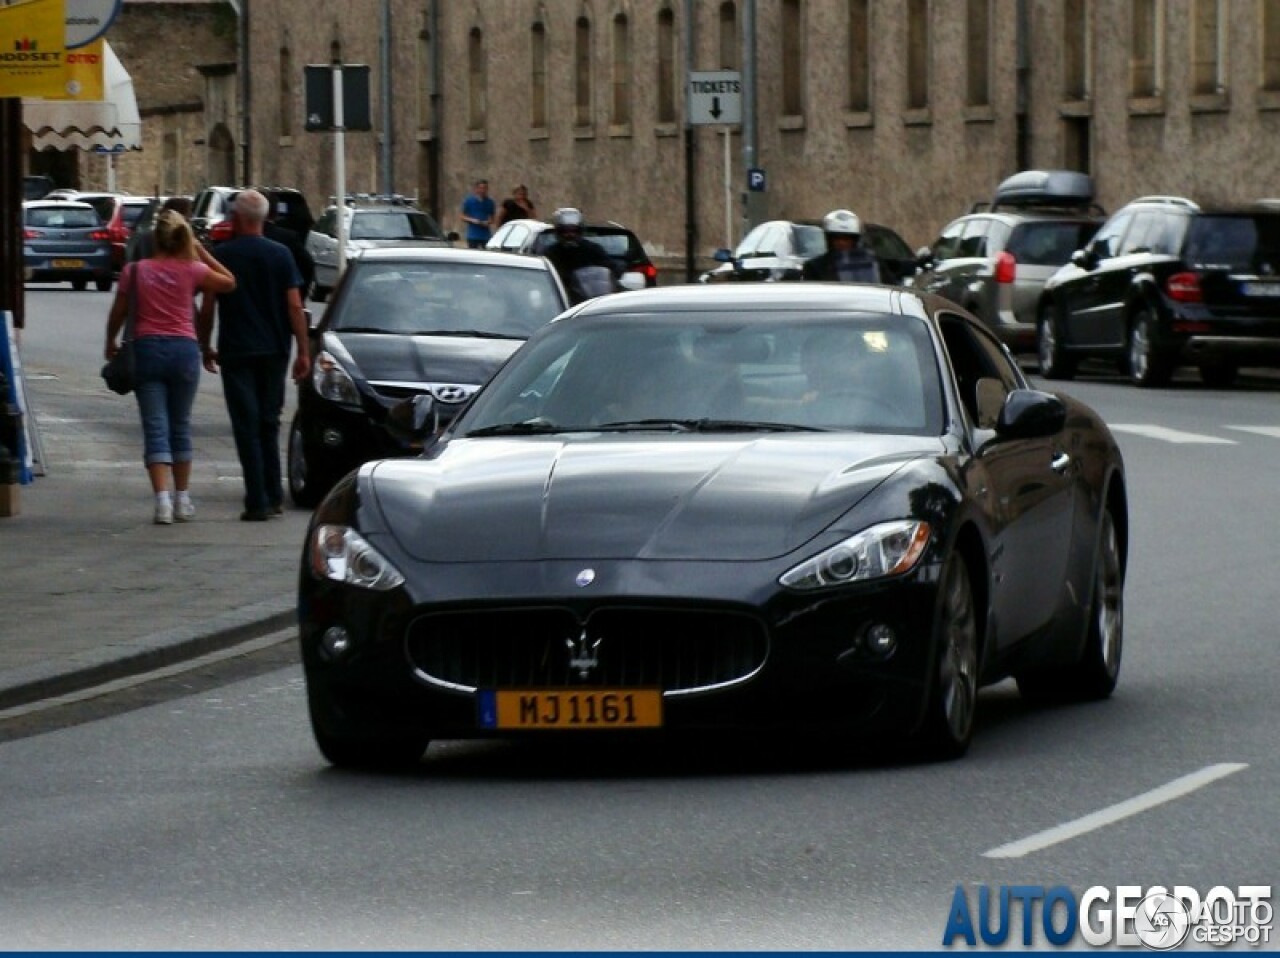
168, 354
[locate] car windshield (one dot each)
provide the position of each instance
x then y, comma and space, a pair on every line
1049, 243
132, 212
446, 298
62, 217
810, 241
393, 225
1246, 243
700, 372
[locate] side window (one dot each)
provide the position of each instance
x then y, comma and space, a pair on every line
327, 223
977, 356
1167, 236
1138, 239
948, 244
998, 235
751, 242
773, 243
515, 237
1106, 242
974, 242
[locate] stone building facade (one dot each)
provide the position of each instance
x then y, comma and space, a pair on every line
907, 111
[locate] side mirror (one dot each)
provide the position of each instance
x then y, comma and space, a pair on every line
414, 419
723, 256
924, 257
1030, 414
453, 236
1085, 258
631, 280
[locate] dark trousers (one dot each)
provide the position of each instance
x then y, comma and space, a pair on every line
254, 390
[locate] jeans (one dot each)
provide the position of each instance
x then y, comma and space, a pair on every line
168, 374
254, 390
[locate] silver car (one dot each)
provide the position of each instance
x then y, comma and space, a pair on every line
367, 227
995, 261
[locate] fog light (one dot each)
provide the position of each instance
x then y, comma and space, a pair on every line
881, 640
331, 437
335, 641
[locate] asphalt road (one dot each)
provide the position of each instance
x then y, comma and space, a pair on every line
200, 815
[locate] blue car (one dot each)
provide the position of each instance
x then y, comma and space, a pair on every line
65, 241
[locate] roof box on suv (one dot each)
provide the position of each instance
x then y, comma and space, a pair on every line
1056, 188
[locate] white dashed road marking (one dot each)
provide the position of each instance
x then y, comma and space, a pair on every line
1169, 435
1272, 431
1114, 813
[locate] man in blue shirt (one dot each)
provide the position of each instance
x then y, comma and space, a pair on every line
258, 324
477, 212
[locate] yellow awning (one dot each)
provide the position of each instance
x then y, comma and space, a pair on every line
112, 125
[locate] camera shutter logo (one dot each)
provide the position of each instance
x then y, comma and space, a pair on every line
1161, 922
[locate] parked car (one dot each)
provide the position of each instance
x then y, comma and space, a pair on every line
124, 218
995, 260
405, 322
634, 267
36, 187
211, 211
1164, 283
369, 225
777, 250
646, 523
65, 241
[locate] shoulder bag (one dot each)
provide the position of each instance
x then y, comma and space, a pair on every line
121, 370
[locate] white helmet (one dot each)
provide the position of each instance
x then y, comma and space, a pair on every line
842, 221
567, 216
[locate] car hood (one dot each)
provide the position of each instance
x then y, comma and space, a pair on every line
361, 244
382, 357
608, 496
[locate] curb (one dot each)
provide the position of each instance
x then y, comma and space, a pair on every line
45, 680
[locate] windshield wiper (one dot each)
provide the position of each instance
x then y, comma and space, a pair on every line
358, 329
528, 427
475, 333
704, 425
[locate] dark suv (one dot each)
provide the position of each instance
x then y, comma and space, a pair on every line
995, 260
635, 269
211, 211
1164, 283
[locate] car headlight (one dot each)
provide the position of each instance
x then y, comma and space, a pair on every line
890, 548
332, 381
343, 555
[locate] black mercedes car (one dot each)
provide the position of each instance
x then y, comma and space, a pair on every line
814, 507
406, 322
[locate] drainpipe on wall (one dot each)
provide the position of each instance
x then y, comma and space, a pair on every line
437, 106
241, 8
388, 138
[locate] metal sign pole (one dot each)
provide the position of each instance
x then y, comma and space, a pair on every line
340, 167
728, 190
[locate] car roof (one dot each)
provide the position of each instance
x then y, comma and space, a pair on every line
450, 254
744, 297
59, 204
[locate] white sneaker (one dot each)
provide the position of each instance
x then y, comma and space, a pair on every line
164, 512
184, 510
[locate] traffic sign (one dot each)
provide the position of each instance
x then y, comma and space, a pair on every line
715, 97
756, 180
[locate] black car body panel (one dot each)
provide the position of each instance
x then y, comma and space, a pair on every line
646, 553
623, 246
777, 251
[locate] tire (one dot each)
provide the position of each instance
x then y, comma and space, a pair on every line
1218, 374
103, 285
1055, 362
307, 486
79, 285
1095, 675
1147, 367
347, 746
953, 686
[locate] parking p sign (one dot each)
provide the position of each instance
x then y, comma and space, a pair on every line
756, 180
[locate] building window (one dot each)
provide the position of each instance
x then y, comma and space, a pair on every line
476, 80
859, 56
917, 54
1076, 31
1208, 75
538, 77
666, 66
978, 39
1271, 44
1145, 73
621, 112
423, 86
582, 72
286, 92
730, 42
792, 38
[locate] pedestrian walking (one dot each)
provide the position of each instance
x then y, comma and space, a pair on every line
160, 293
477, 212
517, 206
257, 324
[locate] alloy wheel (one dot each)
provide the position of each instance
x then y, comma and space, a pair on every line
958, 657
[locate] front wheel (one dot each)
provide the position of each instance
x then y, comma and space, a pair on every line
953, 694
1147, 367
347, 746
307, 485
103, 285
1055, 362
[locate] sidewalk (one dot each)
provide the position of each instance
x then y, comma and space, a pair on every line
90, 588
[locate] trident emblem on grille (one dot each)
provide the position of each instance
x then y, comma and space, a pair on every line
583, 654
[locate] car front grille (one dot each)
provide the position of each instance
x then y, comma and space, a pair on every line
679, 651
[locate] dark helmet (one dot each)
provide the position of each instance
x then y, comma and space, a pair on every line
567, 219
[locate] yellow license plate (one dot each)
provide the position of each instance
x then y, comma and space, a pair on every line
571, 709
68, 264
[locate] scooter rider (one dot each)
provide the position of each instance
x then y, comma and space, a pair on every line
578, 260
846, 259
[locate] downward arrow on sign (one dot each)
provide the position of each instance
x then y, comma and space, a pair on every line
715, 106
